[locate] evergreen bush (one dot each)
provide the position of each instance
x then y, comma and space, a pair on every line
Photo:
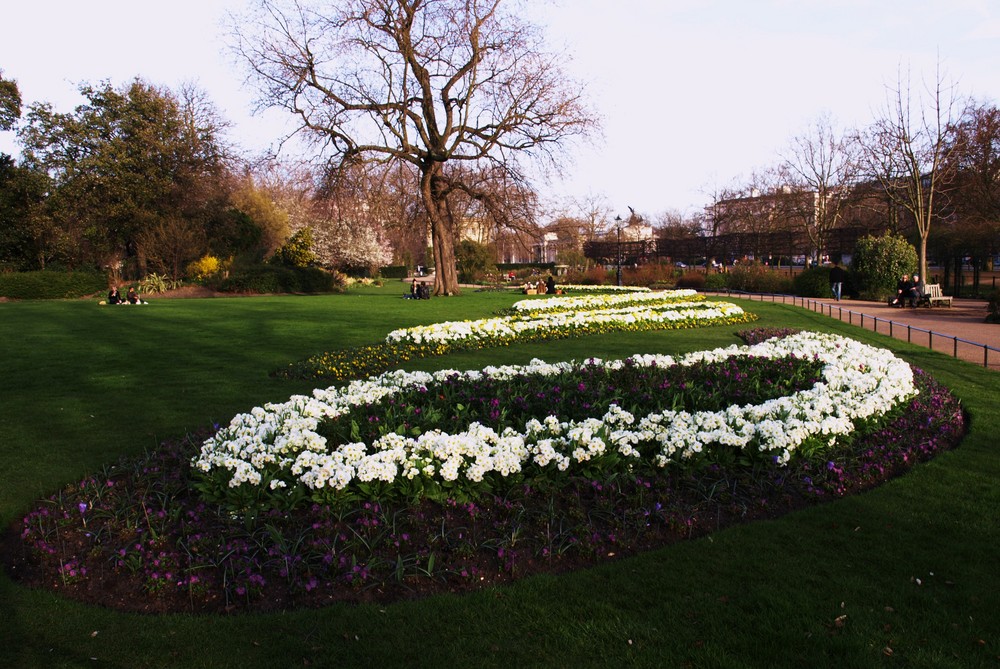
879, 262
993, 308
716, 281
813, 282
394, 272
473, 261
263, 279
51, 285
297, 251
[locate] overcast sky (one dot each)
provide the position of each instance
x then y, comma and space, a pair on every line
694, 94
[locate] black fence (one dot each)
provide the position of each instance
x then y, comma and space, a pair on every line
896, 330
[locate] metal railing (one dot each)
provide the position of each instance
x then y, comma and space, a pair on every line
825, 308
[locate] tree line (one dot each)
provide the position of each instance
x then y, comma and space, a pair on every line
423, 116
428, 122
928, 167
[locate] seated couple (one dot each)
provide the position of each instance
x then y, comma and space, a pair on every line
908, 291
114, 297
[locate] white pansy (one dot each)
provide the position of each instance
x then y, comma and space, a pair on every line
281, 440
589, 302
602, 311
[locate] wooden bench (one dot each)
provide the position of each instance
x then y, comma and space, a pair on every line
933, 297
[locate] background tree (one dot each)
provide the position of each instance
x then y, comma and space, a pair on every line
10, 103
266, 206
347, 238
753, 219
431, 83
474, 260
973, 157
905, 150
170, 243
125, 164
821, 167
28, 240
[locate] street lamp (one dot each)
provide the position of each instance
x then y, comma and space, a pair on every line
618, 263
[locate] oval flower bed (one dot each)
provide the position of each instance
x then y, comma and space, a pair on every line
598, 301
663, 310
281, 446
600, 288
353, 494
666, 312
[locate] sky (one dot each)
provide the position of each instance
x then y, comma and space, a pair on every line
694, 95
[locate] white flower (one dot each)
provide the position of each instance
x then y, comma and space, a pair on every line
857, 381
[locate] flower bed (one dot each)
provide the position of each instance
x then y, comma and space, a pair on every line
601, 288
628, 318
400, 346
279, 452
590, 302
138, 536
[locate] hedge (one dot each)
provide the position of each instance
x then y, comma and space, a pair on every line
51, 285
261, 279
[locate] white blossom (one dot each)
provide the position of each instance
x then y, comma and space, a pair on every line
856, 381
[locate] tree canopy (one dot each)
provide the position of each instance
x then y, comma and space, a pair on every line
134, 171
10, 103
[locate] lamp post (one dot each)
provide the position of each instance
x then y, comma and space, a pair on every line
618, 256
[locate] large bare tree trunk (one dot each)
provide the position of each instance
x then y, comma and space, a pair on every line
442, 233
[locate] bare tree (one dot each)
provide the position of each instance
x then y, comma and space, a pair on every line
593, 212
821, 169
905, 150
753, 219
431, 83
974, 159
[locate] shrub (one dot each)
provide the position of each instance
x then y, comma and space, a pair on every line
993, 308
155, 283
716, 281
394, 272
263, 279
51, 285
756, 278
813, 282
473, 261
877, 264
204, 268
695, 280
649, 274
297, 251
593, 276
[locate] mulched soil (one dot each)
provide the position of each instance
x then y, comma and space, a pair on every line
596, 523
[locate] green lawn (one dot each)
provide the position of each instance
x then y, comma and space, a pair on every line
835, 585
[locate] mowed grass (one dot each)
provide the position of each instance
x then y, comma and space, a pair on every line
906, 575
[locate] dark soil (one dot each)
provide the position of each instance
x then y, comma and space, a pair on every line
132, 546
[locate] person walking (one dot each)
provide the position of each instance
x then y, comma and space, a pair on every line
837, 278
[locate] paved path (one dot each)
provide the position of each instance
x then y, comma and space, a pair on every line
958, 330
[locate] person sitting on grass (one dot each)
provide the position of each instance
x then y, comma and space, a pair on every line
114, 297
132, 296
